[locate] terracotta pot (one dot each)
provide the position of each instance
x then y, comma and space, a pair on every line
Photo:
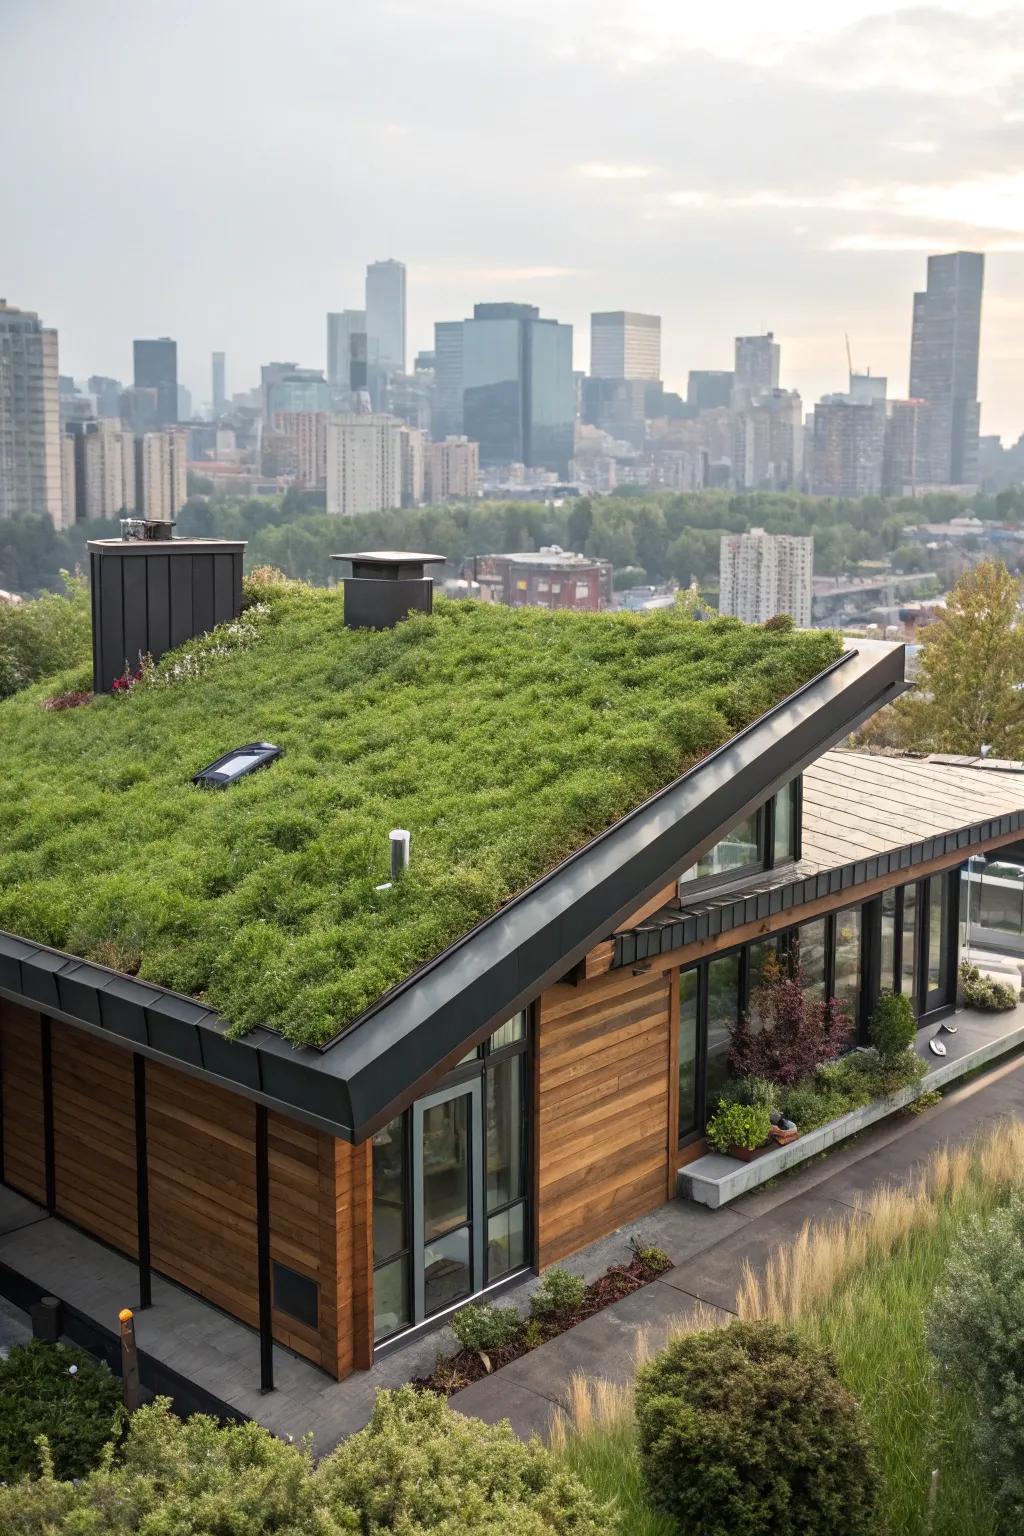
747, 1154
782, 1138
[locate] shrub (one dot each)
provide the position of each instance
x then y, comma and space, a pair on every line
738, 1125
751, 1090
980, 991
975, 1330
797, 1034
418, 1466
486, 1327
783, 621
559, 1292
747, 1430
59, 1392
44, 636
892, 1028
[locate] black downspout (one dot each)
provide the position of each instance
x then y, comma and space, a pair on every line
142, 1184
263, 1251
46, 1055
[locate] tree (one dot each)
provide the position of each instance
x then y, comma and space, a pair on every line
971, 670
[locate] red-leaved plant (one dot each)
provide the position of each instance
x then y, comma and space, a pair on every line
798, 1033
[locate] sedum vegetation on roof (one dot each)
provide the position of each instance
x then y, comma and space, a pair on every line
502, 739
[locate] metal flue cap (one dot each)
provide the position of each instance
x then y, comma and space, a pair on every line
390, 564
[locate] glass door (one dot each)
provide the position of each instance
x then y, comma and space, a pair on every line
447, 1146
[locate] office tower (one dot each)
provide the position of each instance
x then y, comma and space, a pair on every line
867, 388
616, 406
447, 379
768, 441
99, 470
413, 455
905, 463
944, 363
290, 389
385, 314
708, 389
452, 470
762, 574
156, 367
30, 446
346, 349
364, 464
107, 394
519, 399
757, 367
219, 396
847, 447
184, 403
161, 474
625, 345
304, 445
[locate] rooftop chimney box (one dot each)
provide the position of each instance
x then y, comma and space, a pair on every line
154, 593
386, 585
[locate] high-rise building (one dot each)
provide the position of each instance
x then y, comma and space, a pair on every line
156, 367
99, 470
519, 396
452, 470
161, 474
944, 363
616, 406
847, 446
385, 314
708, 389
346, 349
304, 435
757, 367
763, 574
220, 394
625, 345
905, 464
30, 446
768, 441
294, 390
364, 464
413, 443
184, 403
447, 379
107, 394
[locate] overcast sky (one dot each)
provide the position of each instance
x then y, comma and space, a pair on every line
221, 171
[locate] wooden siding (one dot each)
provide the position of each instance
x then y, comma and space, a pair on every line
603, 1141
21, 1077
94, 1136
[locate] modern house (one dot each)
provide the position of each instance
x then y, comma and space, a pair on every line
336, 1099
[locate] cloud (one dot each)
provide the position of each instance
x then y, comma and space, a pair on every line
604, 170
444, 276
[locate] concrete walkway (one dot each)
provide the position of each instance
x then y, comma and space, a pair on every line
708, 1248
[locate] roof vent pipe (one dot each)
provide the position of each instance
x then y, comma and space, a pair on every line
399, 852
386, 585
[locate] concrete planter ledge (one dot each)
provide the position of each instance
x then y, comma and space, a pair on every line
715, 1179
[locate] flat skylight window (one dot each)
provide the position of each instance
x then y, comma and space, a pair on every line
234, 764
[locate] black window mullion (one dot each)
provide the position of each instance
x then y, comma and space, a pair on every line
830, 955
768, 832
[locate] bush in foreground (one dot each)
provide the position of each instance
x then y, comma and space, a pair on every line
747, 1430
976, 1332
61, 1393
892, 1028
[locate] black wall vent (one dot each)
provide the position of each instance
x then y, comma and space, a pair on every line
149, 596
295, 1295
386, 585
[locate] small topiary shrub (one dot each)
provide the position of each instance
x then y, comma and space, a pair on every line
59, 1392
980, 991
559, 1292
892, 1028
738, 1125
976, 1332
748, 1431
486, 1327
418, 1466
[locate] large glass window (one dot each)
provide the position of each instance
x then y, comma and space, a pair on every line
505, 1121
688, 989
908, 943
847, 961
761, 955
809, 953
888, 954
723, 1012
390, 1229
784, 838
738, 849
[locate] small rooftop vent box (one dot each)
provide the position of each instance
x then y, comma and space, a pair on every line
386, 585
153, 593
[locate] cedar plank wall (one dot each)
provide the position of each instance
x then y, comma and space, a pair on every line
202, 1182
602, 1138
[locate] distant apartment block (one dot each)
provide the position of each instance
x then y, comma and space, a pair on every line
452, 470
99, 471
768, 441
301, 440
550, 578
625, 345
161, 474
848, 447
30, 446
364, 464
763, 574
412, 445
906, 460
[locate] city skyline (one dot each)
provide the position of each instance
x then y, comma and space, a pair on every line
690, 215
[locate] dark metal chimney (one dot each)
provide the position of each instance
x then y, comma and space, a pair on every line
150, 594
386, 585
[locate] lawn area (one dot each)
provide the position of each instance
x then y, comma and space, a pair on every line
863, 1290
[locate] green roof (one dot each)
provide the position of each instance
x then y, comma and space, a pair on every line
502, 739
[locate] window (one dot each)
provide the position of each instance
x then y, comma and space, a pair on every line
723, 1012
908, 946
761, 954
847, 960
888, 955
688, 1030
390, 1236
583, 589
810, 956
766, 837
739, 849
784, 819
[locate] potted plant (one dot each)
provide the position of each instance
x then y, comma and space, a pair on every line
739, 1130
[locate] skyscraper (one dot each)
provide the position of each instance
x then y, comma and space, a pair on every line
757, 366
156, 367
762, 574
99, 470
385, 314
346, 349
848, 446
708, 389
625, 345
447, 379
944, 363
519, 396
220, 398
30, 446
364, 464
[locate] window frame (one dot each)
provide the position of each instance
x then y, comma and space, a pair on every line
765, 837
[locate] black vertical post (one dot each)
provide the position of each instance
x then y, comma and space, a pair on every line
263, 1251
871, 962
142, 1184
46, 1054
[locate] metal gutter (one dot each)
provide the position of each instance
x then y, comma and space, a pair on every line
392, 1052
